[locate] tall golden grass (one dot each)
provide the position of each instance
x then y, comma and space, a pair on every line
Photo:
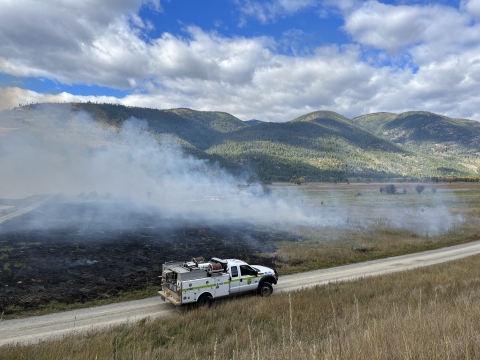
351, 246
427, 313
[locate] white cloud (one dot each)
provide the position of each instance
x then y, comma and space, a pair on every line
209, 57
247, 76
473, 7
391, 28
334, 79
269, 11
103, 48
72, 41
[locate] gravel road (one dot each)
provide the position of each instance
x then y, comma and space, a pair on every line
35, 329
23, 210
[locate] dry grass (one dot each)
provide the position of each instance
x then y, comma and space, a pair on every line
356, 246
329, 246
428, 313
332, 246
376, 237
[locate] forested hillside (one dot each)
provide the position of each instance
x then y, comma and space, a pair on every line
254, 122
453, 140
319, 146
199, 128
326, 146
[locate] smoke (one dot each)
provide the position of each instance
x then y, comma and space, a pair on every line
116, 177
427, 214
11, 97
129, 167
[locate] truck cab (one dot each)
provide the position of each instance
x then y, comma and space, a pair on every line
244, 277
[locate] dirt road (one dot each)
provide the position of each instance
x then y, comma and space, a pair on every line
23, 210
34, 329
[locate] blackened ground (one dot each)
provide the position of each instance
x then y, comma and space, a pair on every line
81, 262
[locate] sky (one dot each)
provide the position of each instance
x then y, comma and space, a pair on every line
271, 60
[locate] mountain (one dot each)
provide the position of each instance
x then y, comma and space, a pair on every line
319, 146
454, 140
326, 146
199, 128
372, 122
194, 130
418, 126
254, 122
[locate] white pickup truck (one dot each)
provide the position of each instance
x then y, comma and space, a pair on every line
198, 281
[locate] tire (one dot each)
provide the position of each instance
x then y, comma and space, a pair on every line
265, 289
204, 302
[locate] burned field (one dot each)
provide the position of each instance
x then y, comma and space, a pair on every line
67, 253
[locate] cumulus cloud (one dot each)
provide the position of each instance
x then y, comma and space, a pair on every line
247, 76
390, 27
87, 41
103, 45
473, 7
209, 57
332, 78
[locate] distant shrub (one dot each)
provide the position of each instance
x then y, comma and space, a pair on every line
419, 189
390, 189
298, 181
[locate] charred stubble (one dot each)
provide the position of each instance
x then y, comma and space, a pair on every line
77, 263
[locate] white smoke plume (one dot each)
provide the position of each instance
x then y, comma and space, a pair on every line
44, 153
130, 169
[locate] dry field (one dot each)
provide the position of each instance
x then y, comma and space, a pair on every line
346, 224
427, 313
357, 223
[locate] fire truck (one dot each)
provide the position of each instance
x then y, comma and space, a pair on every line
199, 281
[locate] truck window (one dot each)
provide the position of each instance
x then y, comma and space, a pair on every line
234, 271
247, 270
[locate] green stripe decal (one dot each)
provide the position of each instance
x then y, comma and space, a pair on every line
215, 285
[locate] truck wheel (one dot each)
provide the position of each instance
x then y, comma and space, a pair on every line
205, 302
265, 289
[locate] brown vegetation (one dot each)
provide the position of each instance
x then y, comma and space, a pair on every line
333, 246
424, 313
352, 246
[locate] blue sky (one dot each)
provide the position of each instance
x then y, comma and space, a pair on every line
271, 60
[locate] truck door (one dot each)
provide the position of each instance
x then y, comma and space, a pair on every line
235, 280
248, 278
